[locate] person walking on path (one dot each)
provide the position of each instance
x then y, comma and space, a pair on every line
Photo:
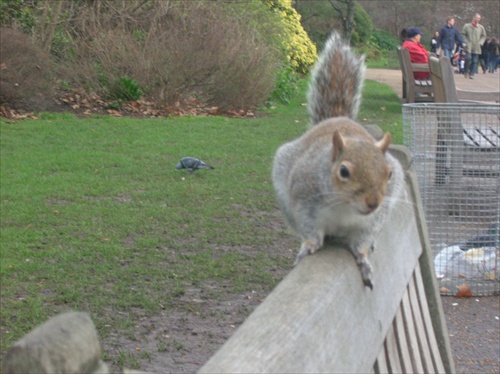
493, 48
484, 59
435, 43
418, 53
474, 35
449, 37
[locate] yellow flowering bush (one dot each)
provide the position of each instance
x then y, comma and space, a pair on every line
300, 50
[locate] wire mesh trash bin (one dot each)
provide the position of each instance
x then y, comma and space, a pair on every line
456, 155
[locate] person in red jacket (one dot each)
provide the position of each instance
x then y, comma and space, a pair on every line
418, 53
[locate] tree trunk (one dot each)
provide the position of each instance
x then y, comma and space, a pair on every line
345, 8
45, 28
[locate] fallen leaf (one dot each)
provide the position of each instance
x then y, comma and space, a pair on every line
463, 291
114, 113
444, 290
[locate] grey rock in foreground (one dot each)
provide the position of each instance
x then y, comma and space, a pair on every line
67, 343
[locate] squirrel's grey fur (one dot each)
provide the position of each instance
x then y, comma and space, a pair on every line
336, 180
343, 73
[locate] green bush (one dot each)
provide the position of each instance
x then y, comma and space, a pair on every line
126, 89
363, 27
384, 40
17, 13
286, 86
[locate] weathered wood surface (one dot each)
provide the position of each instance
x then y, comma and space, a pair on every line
443, 80
321, 318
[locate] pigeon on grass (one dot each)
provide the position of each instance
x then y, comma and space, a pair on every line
192, 164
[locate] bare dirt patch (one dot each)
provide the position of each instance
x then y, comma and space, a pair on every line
181, 340
191, 328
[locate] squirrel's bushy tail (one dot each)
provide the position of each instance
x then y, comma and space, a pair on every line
336, 82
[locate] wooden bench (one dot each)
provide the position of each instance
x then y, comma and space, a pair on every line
321, 318
414, 90
443, 81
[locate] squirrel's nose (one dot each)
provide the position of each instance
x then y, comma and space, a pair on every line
372, 203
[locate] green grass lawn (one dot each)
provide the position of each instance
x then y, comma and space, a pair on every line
95, 218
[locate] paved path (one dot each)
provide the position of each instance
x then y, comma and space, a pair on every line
481, 82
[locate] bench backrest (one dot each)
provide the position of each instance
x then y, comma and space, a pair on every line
414, 90
443, 81
321, 318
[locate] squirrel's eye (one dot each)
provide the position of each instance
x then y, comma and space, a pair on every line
344, 172
390, 174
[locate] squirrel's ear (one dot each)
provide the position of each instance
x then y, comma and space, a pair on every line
383, 144
338, 144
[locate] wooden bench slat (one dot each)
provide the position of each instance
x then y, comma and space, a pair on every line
402, 343
391, 351
411, 334
431, 336
422, 333
380, 366
425, 83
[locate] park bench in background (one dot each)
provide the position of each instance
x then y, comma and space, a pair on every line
321, 318
414, 90
443, 81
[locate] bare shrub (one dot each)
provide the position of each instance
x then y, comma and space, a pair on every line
180, 49
26, 72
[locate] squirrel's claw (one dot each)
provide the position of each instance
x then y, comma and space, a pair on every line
364, 266
308, 247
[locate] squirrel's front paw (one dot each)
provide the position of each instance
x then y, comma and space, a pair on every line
308, 247
366, 271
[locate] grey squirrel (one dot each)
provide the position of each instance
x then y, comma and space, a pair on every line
336, 180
